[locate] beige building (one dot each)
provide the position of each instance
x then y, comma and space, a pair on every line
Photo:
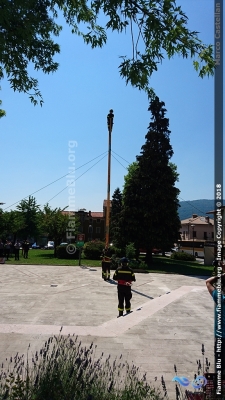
197, 228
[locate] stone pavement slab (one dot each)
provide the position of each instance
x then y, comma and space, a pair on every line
172, 316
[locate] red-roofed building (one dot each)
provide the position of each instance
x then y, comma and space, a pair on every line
92, 223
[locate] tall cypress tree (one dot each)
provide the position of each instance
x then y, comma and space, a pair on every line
116, 207
150, 197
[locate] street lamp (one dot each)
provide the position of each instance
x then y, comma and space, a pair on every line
193, 239
90, 228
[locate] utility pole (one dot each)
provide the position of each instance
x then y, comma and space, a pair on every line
110, 117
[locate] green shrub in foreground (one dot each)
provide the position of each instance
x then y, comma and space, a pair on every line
64, 370
182, 256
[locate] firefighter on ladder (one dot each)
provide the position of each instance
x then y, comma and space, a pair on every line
106, 264
124, 275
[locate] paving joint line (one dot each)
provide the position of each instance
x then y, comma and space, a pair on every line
112, 328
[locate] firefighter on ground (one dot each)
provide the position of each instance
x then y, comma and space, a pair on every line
124, 275
106, 264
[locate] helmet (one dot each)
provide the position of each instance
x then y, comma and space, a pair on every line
124, 260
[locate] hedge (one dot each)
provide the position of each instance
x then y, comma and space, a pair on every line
182, 256
65, 252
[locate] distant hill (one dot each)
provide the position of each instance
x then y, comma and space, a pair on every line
199, 207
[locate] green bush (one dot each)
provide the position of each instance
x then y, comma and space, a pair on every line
117, 252
130, 250
137, 264
93, 250
143, 265
64, 370
68, 253
114, 262
134, 264
182, 256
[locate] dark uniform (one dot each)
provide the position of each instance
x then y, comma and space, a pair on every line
7, 249
26, 246
1, 249
124, 275
17, 250
106, 264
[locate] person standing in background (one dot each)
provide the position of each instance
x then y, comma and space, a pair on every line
17, 250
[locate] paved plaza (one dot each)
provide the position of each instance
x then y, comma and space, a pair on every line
172, 316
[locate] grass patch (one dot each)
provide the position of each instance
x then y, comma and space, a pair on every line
46, 257
167, 265
160, 264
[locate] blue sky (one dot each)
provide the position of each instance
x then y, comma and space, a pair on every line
35, 141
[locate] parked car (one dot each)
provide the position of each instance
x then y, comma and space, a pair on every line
35, 246
154, 251
174, 249
49, 245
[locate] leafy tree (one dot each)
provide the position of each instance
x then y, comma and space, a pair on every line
2, 112
11, 223
116, 207
30, 211
55, 224
150, 198
157, 28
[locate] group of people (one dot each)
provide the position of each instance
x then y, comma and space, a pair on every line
8, 248
5, 249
